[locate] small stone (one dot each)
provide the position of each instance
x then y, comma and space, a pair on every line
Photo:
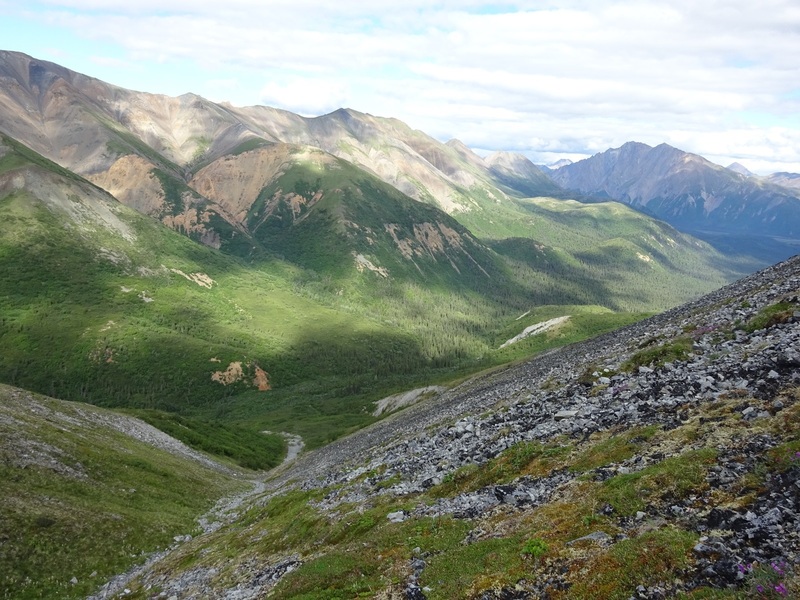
640, 515
74, 581
397, 516
565, 414
596, 536
702, 549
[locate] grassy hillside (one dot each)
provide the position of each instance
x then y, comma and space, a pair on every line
139, 334
82, 501
602, 253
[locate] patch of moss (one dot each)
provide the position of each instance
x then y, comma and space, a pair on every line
613, 449
770, 316
670, 480
674, 350
648, 559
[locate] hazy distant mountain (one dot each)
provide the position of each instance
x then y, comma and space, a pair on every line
686, 190
561, 163
741, 169
790, 180
520, 174
547, 169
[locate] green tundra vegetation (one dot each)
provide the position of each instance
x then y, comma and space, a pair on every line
279, 330
81, 501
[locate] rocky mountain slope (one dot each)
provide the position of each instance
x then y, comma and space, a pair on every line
111, 134
657, 461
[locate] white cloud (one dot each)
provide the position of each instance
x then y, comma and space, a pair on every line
308, 97
574, 77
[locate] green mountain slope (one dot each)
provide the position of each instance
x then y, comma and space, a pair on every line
617, 256
357, 292
84, 496
104, 305
326, 214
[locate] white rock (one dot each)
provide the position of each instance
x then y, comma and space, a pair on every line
565, 414
397, 517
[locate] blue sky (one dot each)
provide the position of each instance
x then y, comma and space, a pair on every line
551, 79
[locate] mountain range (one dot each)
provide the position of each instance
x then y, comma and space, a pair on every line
281, 230
157, 154
722, 205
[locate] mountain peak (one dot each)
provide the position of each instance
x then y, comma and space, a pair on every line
633, 145
739, 168
563, 162
343, 113
518, 172
464, 151
503, 158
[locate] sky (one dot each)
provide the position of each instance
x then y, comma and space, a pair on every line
566, 79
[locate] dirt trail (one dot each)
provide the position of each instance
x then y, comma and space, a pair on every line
295, 447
